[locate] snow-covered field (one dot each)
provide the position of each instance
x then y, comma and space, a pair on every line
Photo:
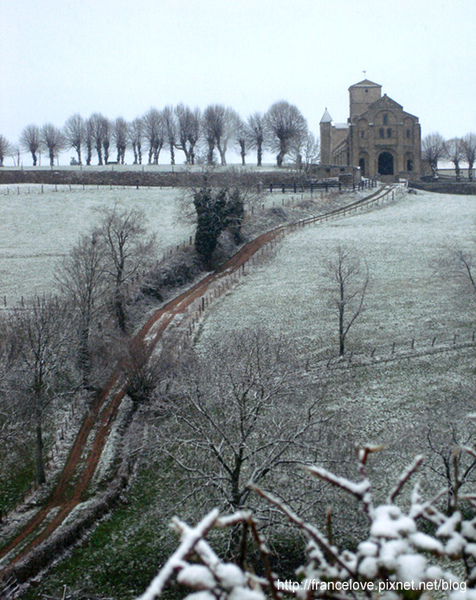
407, 299
37, 229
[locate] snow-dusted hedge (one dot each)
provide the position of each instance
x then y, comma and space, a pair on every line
407, 551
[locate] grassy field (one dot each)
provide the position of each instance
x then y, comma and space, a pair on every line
37, 229
384, 401
407, 298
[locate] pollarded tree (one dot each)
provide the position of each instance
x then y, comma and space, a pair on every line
154, 132
231, 121
136, 134
30, 141
89, 138
454, 153
74, 134
211, 123
433, 150
120, 134
97, 129
349, 278
241, 138
52, 139
286, 126
469, 152
170, 124
107, 130
256, 132
188, 131
219, 126
5, 149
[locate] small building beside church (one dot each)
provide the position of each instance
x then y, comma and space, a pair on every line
379, 136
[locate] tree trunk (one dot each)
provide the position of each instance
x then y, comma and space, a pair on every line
260, 154
99, 152
40, 465
84, 357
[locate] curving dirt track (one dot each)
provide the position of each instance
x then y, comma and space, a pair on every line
81, 465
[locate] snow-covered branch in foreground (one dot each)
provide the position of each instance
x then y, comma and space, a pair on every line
405, 554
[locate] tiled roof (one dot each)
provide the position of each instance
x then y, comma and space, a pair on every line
366, 83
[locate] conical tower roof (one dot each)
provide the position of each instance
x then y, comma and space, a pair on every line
326, 117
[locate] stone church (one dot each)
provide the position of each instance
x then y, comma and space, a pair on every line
379, 136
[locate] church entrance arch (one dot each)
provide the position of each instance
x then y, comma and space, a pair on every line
385, 164
362, 166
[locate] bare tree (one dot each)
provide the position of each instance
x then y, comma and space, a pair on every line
454, 153
446, 429
469, 152
136, 133
14, 154
74, 134
459, 264
81, 279
219, 126
188, 131
154, 132
97, 129
210, 123
231, 122
52, 139
256, 135
241, 136
5, 149
120, 135
128, 251
170, 125
30, 141
89, 138
44, 337
349, 278
433, 150
310, 151
235, 420
286, 126
107, 130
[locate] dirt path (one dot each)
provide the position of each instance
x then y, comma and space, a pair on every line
80, 467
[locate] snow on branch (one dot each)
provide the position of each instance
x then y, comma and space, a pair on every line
396, 558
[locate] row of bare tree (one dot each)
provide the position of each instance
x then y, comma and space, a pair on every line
55, 349
199, 135
455, 150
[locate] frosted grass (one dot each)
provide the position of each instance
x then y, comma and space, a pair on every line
37, 229
406, 300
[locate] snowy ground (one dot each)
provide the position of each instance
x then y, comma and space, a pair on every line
407, 300
37, 229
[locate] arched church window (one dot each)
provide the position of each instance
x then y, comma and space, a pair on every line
385, 119
408, 134
381, 133
389, 133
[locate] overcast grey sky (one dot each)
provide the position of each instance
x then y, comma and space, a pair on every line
120, 57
